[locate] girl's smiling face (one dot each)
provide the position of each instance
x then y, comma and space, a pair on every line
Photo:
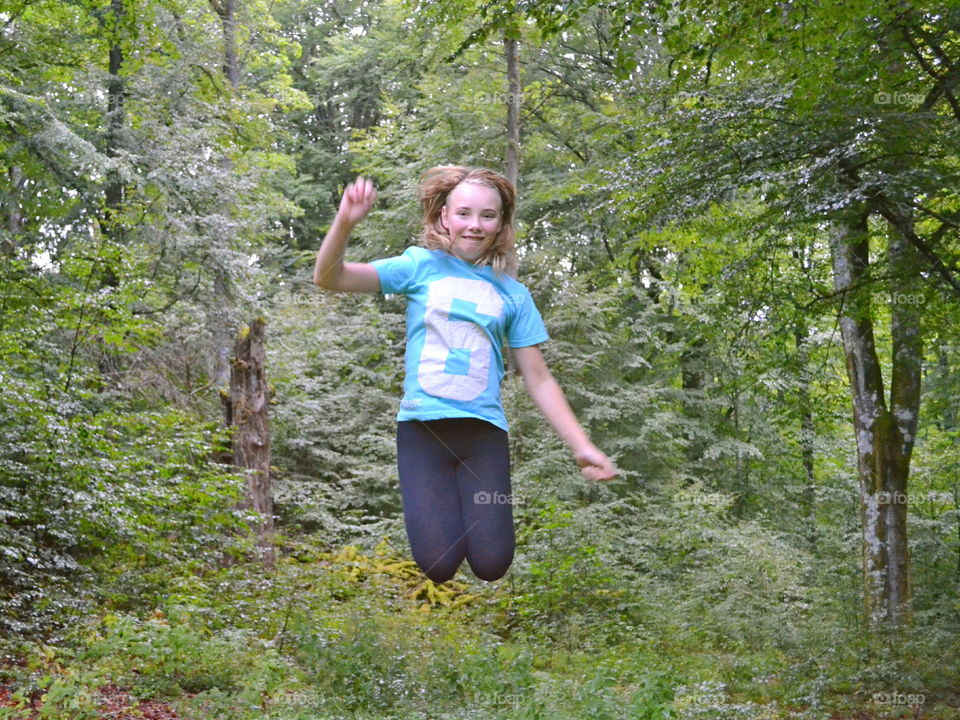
472, 218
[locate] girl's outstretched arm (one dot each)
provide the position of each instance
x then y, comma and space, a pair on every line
330, 271
548, 396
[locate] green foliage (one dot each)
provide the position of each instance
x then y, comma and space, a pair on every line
133, 495
680, 163
337, 373
172, 653
315, 637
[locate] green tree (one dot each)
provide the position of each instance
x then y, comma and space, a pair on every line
830, 116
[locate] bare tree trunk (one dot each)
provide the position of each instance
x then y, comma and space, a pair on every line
116, 111
116, 117
224, 319
512, 52
231, 65
15, 216
807, 434
247, 411
956, 502
111, 220
884, 437
693, 381
907, 347
8, 243
226, 10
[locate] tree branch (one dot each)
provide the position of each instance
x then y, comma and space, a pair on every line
943, 83
884, 207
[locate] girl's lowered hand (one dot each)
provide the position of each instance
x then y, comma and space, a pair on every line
594, 465
357, 200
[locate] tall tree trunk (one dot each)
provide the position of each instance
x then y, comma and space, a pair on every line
224, 318
227, 11
116, 117
807, 434
111, 220
115, 112
907, 350
247, 413
956, 503
8, 244
512, 52
700, 421
884, 437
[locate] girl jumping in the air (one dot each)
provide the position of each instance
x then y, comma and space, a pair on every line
463, 304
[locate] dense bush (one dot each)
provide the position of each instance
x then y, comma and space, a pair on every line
104, 506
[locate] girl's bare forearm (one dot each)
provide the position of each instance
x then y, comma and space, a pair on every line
330, 256
554, 406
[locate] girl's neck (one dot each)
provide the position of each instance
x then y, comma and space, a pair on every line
478, 263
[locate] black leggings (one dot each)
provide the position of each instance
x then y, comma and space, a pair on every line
455, 484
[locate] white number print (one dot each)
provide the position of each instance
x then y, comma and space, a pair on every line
444, 335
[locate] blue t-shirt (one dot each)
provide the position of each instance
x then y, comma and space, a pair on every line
459, 315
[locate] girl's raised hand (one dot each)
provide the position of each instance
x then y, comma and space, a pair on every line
594, 465
357, 200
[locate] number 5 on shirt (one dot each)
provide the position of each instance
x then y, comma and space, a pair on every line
456, 356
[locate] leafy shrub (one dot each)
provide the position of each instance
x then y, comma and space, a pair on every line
130, 496
170, 653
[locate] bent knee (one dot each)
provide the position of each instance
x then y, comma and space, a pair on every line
491, 569
438, 570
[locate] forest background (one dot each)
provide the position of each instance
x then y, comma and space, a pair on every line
740, 222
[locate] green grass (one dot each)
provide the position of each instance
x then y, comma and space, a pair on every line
350, 636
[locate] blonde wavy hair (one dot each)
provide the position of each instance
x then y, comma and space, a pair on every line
437, 183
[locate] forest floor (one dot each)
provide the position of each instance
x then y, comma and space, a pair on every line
349, 634
112, 703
